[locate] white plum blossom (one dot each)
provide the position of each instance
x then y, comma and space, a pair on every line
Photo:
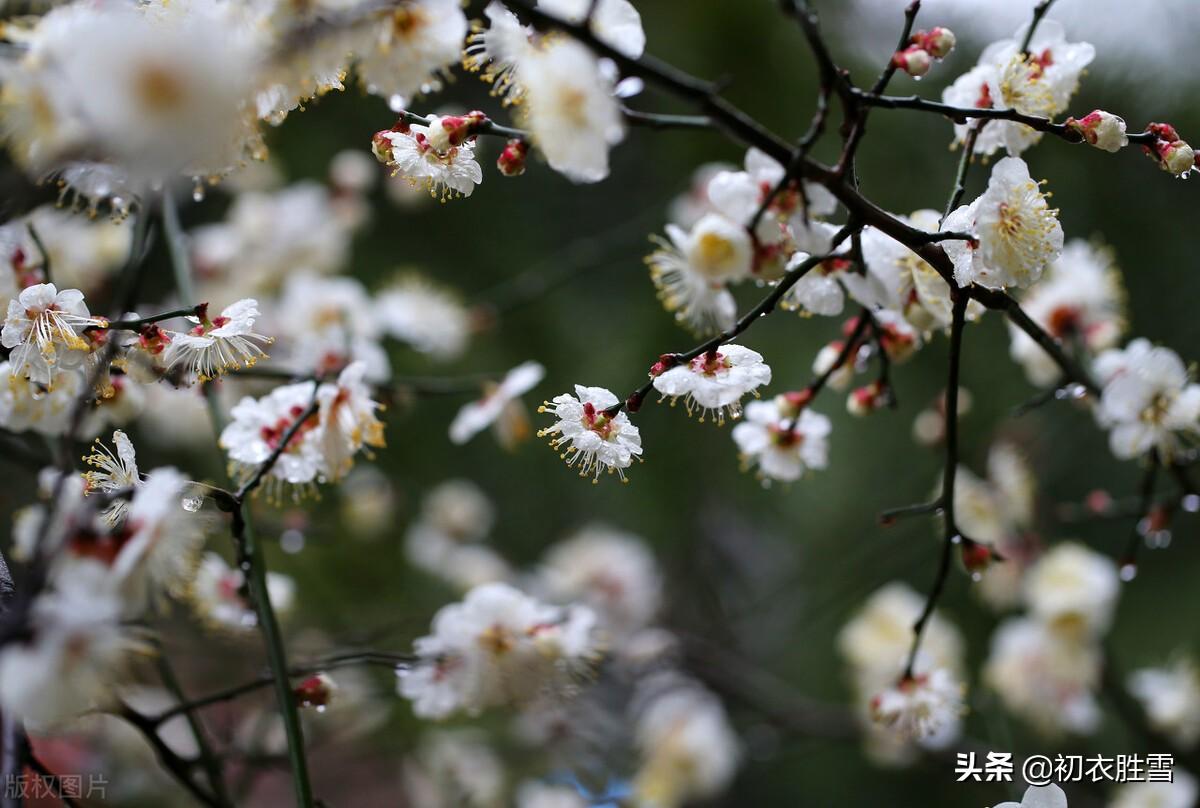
1181, 792
570, 110
692, 269
113, 472
781, 440
1170, 696
611, 571
257, 427
410, 46
589, 435
1044, 676
497, 51
500, 406
45, 409
76, 654
818, 290
442, 169
689, 750
1148, 400
347, 421
498, 646
1040, 83
1017, 233
715, 382
43, 329
430, 319
1080, 300
215, 347
1073, 588
219, 596
446, 539
1050, 796
614, 22
327, 323
544, 795
920, 706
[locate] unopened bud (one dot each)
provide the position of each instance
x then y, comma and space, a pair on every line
938, 42
1177, 157
865, 400
975, 557
381, 145
913, 60
664, 363
1101, 129
315, 691
792, 402
512, 160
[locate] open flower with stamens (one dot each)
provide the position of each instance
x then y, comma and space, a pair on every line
692, 270
112, 472
782, 440
43, 328
1148, 401
1018, 234
224, 343
444, 171
258, 427
348, 422
591, 437
614, 22
496, 52
920, 706
570, 110
715, 381
500, 406
28, 405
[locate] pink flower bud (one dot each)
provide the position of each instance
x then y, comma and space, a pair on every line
381, 145
913, 60
1101, 129
1177, 156
867, 399
975, 556
512, 160
938, 41
315, 691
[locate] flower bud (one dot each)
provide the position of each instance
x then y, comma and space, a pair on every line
449, 131
1177, 156
1101, 129
792, 402
315, 691
975, 557
512, 160
938, 41
381, 145
913, 60
867, 399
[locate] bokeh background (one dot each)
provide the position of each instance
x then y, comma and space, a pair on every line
770, 573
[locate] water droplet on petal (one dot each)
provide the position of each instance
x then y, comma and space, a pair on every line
1128, 572
396, 103
192, 503
976, 576
1191, 503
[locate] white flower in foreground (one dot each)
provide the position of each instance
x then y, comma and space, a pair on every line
1045, 677
921, 706
690, 271
715, 382
27, 405
257, 427
570, 110
501, 406
220, 597
43, 330
689, 750
1079, 300
1018, 233
1050, 796
782, 441
611, 571
614, 22
407, 50
224, 343
73, 659
1171, 698
1073, 588
427, 317
443, 170
1148, 401
347, 420
113, 472
589, 435
1181, 792
498, 646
